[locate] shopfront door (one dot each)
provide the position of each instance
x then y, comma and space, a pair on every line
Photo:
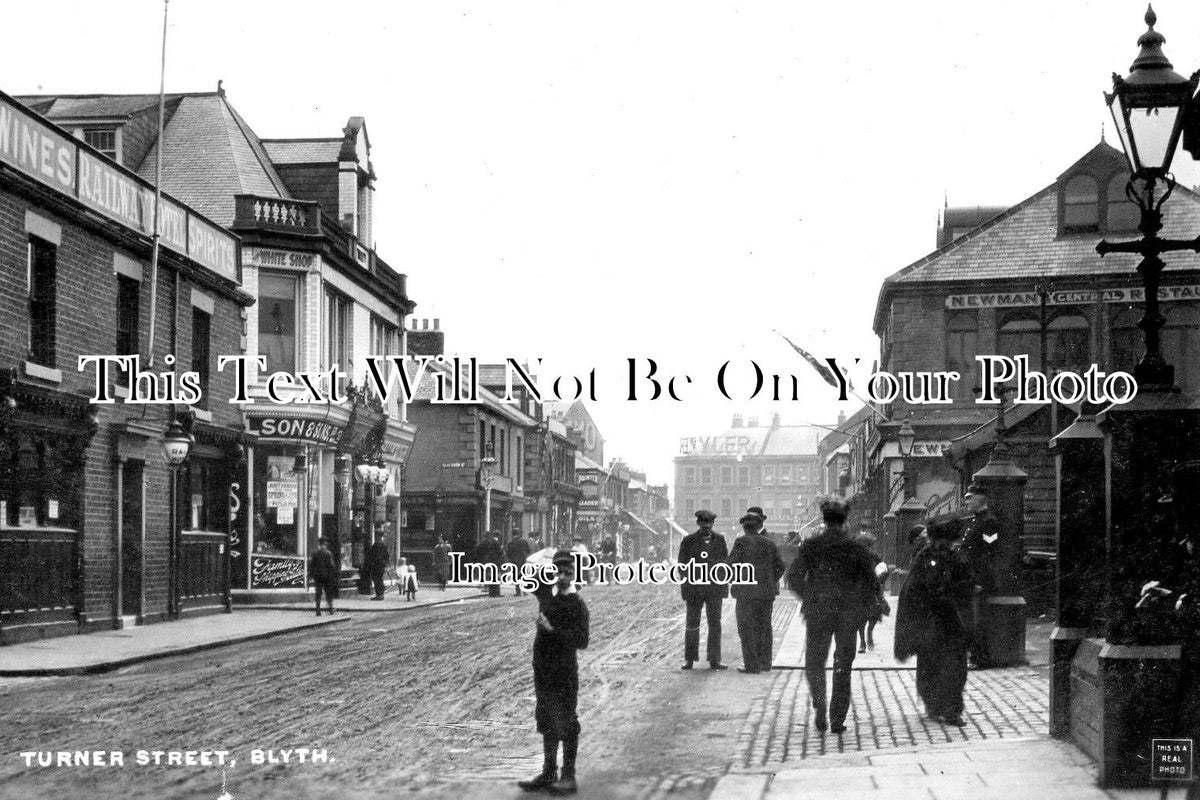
132, 536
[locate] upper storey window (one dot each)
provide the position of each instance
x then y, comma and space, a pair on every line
1081, 204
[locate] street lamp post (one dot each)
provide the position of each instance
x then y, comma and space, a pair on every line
910, 511
487, 465
176, 445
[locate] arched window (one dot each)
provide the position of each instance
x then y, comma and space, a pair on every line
1020, 335
962, 345
1068, 343
1081, 204
1120, 214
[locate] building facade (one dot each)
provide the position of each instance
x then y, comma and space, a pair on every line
96, 530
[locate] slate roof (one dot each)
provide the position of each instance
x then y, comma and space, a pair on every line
303, 151
792, 440
98, 106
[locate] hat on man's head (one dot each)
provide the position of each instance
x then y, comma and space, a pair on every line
757, 510
704, 515
834, 507
563, 557
946, 526
975, 490
750, 518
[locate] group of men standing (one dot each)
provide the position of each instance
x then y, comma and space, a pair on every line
755, 602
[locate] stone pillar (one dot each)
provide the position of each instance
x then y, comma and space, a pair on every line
1001, 624
1138, 667
1079, 577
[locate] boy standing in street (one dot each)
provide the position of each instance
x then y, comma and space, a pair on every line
562, 628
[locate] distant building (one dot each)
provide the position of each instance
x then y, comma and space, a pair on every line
775, 466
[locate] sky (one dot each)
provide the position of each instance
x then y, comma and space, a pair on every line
591, 182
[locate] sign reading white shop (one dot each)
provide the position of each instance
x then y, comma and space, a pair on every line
54, 159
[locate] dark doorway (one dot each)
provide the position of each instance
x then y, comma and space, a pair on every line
132, 523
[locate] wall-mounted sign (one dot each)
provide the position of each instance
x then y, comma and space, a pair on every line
309, 430
1071, 297
717, 445
259, 257
276, 572
54, 159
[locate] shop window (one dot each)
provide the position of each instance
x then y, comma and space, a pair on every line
276, 501
1081, 204
962, 345
277, 317
35, 488
1121, 215
201, 345
41, 281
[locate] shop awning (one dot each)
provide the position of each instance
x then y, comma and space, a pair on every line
639, 521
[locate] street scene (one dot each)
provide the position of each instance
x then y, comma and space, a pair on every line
655, 402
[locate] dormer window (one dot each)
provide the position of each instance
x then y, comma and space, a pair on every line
1081, 204
103, 139
1120, 213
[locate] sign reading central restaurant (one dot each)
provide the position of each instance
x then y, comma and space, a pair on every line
1068, 297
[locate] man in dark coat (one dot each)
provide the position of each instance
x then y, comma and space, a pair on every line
562, 628
516, 553
323, 571
932, 621
993, 555
441, 561
376, 563
703, 547
490, 551
754, 603
835, 579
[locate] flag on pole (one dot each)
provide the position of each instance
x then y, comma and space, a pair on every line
823, 370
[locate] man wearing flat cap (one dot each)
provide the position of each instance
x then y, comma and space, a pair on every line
755, 602
834, 577
704, 547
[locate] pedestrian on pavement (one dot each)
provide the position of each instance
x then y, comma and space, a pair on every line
755, 602
516, 553
409, 579
993, 555
376, 563
323, 571
932, 621
787, 550
866, 633
704, 547
835, 579
562, 628
441, 561
490, 551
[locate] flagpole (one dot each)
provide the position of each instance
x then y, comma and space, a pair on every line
162, 83
827, 375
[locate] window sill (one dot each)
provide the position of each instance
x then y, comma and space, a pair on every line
43, 373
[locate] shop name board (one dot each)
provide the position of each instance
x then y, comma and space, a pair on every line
310, 430
280, 258
1068, 297
716, 445
43, 153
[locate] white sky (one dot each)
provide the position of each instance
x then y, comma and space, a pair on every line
591, 181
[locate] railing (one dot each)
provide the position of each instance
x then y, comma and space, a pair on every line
203, 570
276, 214
39, 576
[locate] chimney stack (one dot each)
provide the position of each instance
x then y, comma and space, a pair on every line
737, 421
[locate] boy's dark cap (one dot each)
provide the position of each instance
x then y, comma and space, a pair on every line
704, 515
563, 557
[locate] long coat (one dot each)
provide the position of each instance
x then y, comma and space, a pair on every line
489, 552
759, 551
377, 557
934, 606
833, 573
715, 552
322, 568
517, 551
555, 666
992, 554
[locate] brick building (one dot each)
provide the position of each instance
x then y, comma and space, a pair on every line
87, 537
978, 293
774, 466
304, 211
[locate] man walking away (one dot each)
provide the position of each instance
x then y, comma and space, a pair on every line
441, 561
754, 603
490, 551
835, 580
516, 553
703, 547
324, 574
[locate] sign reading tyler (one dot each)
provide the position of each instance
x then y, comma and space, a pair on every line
716, 445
